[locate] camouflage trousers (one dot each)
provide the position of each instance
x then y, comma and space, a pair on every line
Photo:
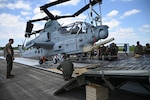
9, 60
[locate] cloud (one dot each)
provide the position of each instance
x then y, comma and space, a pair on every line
125, 31
113, 23
112, 0
38, 13
127, 0
122, 0
12, 26
66, 21
129, 13
112, 13
25, 13
124, 35
17, 5
36, 10
56, 12
145, 28
72, 2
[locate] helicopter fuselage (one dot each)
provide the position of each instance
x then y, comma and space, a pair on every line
71, 39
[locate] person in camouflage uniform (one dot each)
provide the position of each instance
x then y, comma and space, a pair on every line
147, 49
9, 55
66, 67
138, 49
102, 52
113, 50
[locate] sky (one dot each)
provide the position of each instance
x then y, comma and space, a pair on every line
128, 20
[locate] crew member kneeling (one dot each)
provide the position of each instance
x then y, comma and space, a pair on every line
66, 67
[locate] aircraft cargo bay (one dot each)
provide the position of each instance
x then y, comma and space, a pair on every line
121, 78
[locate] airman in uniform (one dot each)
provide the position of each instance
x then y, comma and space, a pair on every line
113, 51
102, 52
9, 54
138, 49
147, 49
67, 67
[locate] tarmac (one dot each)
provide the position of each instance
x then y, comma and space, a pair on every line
34, 84
39, 82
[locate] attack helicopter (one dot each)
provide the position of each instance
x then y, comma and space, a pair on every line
53, 39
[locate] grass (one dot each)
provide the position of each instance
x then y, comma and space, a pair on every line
15, 48
131, 48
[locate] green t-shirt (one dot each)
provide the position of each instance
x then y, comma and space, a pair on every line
8, 46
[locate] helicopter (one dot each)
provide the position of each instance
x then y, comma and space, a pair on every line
53, 39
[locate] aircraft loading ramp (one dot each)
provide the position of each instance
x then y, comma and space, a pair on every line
125, 77
130, 76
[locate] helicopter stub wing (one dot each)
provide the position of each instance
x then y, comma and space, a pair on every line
90, 48
45, 45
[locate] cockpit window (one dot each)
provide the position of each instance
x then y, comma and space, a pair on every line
75, 28
84, 28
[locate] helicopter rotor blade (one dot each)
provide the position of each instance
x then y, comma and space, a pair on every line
51, 16
53, 3
44, 7
40, 19
92, 3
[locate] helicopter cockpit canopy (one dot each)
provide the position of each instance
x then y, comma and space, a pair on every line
75, 28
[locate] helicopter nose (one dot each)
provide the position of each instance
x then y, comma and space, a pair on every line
103, 32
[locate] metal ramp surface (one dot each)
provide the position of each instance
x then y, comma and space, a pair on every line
73, 83
131, 75
115, 74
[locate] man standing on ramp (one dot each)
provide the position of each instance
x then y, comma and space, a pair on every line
9, 54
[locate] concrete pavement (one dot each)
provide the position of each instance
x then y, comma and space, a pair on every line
34, 84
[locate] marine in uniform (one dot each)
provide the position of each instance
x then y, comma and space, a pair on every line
147, 49
138, 49
66, 67
9, 54
113, 51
